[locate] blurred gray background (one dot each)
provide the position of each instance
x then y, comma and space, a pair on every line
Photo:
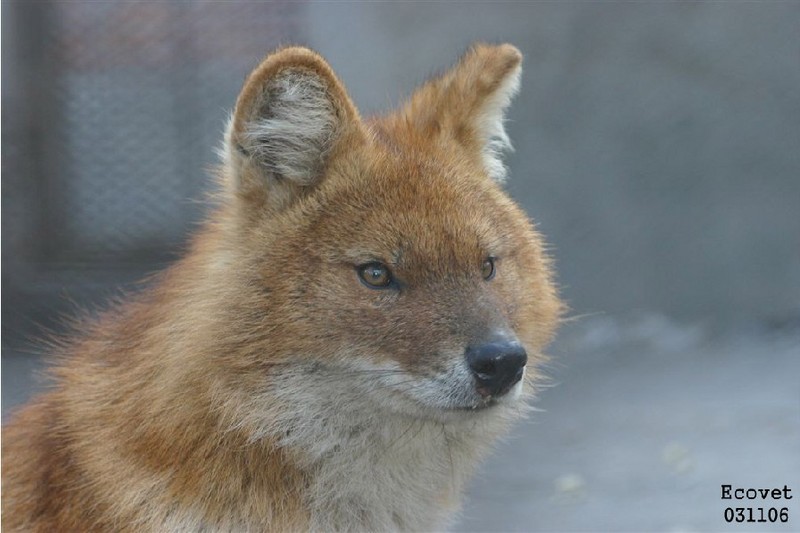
657, 147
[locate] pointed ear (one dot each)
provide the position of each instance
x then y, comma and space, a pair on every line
291, 117
468, 103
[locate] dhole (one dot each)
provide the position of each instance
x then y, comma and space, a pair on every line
345, 338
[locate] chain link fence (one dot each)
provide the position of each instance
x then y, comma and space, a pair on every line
112, 112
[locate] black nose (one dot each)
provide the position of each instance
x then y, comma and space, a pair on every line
496, 365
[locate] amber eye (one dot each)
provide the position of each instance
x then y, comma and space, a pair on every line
375, 275
487, 269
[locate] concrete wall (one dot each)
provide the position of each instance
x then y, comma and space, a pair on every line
658, 145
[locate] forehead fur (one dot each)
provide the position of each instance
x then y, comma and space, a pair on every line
392, 200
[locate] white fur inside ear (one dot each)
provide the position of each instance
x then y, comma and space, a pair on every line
294, 129
491, 125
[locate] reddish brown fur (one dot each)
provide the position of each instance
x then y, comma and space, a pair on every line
145, 422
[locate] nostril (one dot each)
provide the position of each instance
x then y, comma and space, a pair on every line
485, 368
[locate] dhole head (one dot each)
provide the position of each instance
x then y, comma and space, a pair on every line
379, 261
